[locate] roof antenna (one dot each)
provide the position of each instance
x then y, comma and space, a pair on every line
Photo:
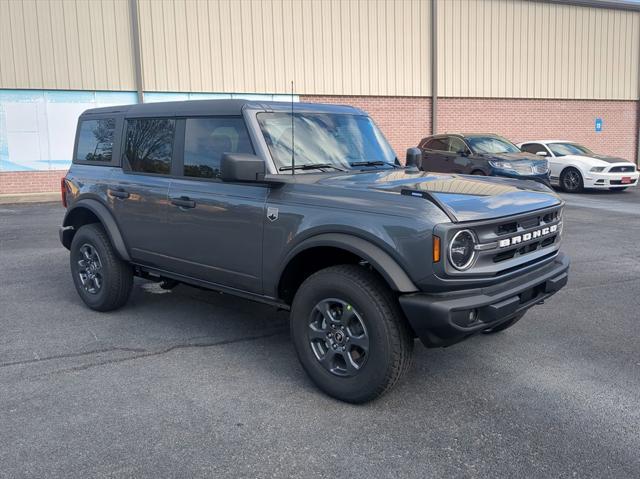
293, 137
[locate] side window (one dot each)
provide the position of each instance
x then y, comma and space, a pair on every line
533, 148
439, 144
207, 139
149, 145
95, 140
456, 145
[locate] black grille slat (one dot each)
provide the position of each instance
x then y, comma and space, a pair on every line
622, 169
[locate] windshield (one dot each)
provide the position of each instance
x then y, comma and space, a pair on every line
491, 144
330, 141
564, 149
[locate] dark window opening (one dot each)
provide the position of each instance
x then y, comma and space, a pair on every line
207, 139
149, 145
95, 141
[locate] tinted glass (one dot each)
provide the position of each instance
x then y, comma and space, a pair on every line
456, 145
95, 141
491, 144
341, 141
439, 144
149, 145
533, 148
207, 139
564, 149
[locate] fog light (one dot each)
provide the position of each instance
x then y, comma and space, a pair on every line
473, 315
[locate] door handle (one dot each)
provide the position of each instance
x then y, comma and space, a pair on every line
119, 193
183, 202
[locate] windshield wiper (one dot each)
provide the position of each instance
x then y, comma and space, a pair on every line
310, 166
372, 163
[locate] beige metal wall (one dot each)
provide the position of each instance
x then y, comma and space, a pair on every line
525, 49
486, 48
335, 47
66, 44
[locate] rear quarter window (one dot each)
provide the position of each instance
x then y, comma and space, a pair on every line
95, 141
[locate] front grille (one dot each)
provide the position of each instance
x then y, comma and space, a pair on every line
508, 244
520, 228
619, 182
622, 169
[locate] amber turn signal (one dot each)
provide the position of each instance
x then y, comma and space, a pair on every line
436, 249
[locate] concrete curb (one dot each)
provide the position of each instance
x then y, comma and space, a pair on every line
51, 197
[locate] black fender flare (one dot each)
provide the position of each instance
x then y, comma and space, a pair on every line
380, 260
107, 220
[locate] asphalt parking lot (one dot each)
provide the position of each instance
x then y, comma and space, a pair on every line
189, 383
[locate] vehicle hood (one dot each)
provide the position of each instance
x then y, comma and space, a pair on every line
518, 156
598, 160
461, 197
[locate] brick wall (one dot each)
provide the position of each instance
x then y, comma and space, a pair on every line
523, 119
13, 182
404, 121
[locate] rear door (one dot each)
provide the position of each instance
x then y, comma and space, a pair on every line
139, 191
215, 227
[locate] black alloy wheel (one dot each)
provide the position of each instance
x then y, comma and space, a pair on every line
571, 181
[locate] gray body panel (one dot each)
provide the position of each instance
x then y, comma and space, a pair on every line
227, 241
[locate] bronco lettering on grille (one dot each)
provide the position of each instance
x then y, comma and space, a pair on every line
504, 243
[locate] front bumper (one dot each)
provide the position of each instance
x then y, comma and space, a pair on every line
443, 319
610, 180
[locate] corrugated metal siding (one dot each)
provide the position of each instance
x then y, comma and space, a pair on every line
66, 44
526, 49
332, 47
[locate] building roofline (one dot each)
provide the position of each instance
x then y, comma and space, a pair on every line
614, 4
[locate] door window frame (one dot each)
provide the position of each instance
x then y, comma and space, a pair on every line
116, 150
126, 166
179, 173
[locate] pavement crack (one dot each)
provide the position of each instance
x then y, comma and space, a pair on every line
160, 352
70, 355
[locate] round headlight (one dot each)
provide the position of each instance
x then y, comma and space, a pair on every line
462, 250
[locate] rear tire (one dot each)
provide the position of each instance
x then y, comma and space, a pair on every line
101, 278
350, 334
478, 173
571, 180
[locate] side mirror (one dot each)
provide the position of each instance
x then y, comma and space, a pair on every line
414, 157
241, 167
541, 153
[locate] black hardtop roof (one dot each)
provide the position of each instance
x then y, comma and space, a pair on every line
216, 107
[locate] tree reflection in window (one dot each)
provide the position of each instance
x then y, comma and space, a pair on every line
149, 145
95, 142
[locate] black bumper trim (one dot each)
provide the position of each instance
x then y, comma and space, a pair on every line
442, 319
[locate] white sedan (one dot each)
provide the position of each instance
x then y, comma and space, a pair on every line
574, 167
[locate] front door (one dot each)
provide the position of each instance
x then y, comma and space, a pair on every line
215, 227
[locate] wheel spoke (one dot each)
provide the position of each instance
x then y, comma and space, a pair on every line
317, 333
347, 315
351, 366
361, 342
325, 309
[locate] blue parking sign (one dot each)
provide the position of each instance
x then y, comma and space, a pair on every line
598, 124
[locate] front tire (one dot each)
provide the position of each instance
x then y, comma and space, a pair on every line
571, 180
101, 278
349, 333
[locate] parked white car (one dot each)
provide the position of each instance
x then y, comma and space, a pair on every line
575, 167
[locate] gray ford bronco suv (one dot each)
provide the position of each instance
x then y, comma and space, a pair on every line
306, 208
